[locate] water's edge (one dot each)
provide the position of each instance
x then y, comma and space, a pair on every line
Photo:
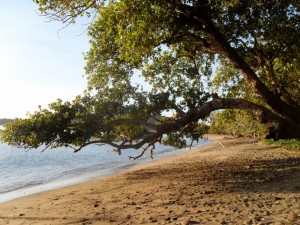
57, 184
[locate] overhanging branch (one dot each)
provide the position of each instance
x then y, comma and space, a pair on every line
258, 112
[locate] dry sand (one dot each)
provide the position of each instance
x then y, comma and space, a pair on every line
240, 183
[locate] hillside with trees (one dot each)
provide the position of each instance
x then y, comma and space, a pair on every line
4, 120
197, 56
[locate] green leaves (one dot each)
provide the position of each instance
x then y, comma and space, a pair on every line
186, 52
180, 74
66, 11
263, 33
237, 122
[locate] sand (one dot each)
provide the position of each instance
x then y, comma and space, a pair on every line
243, 182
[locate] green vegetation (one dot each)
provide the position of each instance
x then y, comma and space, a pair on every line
237, 123
197, 56
291, 144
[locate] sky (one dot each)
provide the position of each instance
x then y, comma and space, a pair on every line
38, 63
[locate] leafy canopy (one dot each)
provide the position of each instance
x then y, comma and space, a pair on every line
187, 51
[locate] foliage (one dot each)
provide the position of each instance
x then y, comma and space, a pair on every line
187, 51
291, 144
237, 122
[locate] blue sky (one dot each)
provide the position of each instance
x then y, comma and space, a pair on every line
37, 66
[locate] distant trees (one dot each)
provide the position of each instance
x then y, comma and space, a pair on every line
197, 56
4, 120
237, 123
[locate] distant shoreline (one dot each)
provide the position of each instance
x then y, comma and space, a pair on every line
4, 121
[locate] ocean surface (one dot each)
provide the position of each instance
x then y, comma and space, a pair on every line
24, 172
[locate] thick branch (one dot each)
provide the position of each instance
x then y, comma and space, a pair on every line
224, 49
258, 112
218, 44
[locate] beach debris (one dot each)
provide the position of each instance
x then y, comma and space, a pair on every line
221, 144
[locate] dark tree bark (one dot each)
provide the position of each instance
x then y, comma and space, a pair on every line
200, 19
279, 128
286, 122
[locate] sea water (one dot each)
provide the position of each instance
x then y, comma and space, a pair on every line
24, 172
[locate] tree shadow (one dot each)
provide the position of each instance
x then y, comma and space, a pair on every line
245, 173
274, 175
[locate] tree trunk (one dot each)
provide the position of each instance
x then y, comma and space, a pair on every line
284, 130
290, 112
279, 128
288, 122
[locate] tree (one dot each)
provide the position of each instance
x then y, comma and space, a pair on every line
236, 123
197, 55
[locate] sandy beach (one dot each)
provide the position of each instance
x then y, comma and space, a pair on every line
231, 181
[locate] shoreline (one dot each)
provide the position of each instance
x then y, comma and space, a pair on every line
240, 183
58, 184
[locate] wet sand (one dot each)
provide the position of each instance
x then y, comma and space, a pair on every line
231, 181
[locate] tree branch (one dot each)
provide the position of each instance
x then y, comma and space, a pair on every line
66, 15
258, 112
143, 152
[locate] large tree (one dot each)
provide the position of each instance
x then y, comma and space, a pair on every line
197, 56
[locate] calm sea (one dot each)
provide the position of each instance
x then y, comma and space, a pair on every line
25, 172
